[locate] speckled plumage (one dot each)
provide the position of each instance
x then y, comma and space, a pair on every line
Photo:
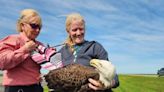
74, 77
71, 78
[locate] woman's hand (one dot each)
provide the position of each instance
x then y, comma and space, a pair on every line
95, 85
31, 45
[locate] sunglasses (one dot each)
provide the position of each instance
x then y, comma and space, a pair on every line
34, 26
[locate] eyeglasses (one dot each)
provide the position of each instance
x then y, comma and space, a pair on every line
34, 26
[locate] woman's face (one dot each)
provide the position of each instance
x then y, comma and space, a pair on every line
31, 29
77, 31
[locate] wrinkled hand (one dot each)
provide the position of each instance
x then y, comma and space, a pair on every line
30, 45
95, 85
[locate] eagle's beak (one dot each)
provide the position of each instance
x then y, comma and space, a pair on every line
94, 62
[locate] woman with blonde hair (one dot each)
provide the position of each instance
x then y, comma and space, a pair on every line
20, 72
79, 50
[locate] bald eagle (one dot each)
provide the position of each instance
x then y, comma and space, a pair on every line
74, 77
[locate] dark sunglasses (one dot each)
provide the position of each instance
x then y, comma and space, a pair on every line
34, 26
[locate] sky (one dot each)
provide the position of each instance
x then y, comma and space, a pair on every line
132, 31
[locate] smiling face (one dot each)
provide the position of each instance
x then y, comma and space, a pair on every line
75, 27
77, 31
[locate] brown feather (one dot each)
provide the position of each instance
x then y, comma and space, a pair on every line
71, 78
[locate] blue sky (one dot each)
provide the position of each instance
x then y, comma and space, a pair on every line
130, 30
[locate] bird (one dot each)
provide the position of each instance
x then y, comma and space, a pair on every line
74, 77
106, 70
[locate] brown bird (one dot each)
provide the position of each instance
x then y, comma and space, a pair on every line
74, 77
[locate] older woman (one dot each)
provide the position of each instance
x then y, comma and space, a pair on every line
21, 73
78, 50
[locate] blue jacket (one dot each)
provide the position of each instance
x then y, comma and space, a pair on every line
86, 51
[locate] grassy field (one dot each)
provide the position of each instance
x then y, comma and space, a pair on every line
138, 83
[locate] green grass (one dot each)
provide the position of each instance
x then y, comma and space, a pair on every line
138, 83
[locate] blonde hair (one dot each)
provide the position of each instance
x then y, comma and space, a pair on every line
71, 17
25, 16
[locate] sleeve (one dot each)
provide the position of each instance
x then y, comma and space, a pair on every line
101, 53
10, 54
115, 82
